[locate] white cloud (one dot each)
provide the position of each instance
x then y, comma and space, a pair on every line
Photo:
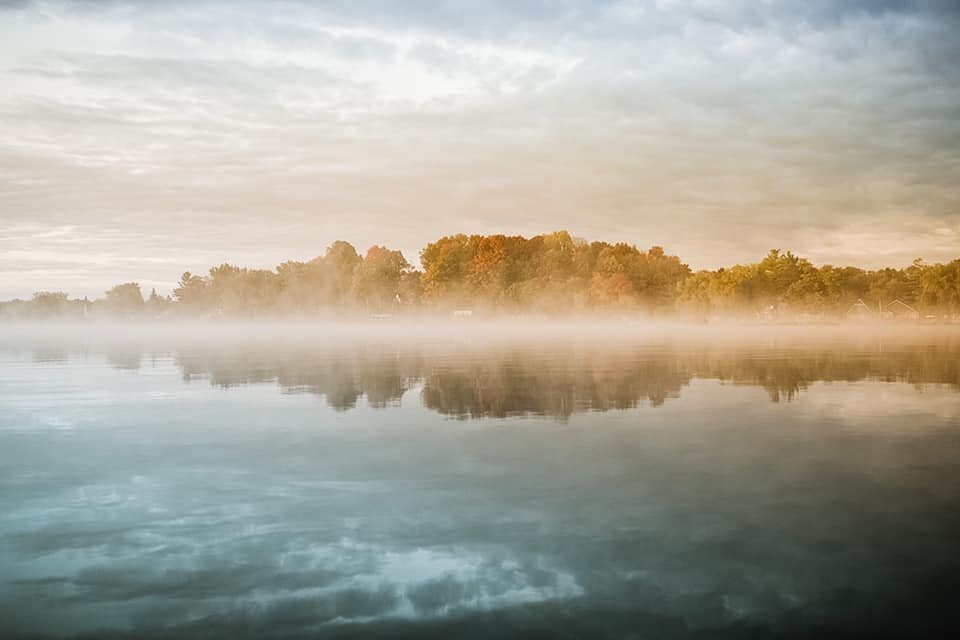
258, 132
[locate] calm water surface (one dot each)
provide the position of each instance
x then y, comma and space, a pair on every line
779, 485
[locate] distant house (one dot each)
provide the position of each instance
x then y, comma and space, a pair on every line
462, 313
900, 310
860, 310
895, 310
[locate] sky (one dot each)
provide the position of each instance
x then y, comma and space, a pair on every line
142, 139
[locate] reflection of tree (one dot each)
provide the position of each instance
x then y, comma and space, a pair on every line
341, 377
787, 374
127, 359
502, 380
517, 384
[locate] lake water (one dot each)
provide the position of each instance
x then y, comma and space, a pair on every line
764, 483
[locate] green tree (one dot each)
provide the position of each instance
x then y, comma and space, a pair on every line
376, 280
340, 261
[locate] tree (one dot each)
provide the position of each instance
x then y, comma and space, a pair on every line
410, 289
303, 285
49, 303
157, 305
238, 291
445, 267
192, 292
376, 280
340, 261
939, 286
125, 299
550, 273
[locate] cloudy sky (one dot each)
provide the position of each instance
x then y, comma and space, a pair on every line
141, 139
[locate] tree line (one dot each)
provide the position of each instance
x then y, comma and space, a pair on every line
552, 274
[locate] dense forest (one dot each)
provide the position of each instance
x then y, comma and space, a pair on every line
553, 274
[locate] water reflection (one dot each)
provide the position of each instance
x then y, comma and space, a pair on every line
504, 379
199, 489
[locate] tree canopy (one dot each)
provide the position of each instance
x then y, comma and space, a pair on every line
553, 273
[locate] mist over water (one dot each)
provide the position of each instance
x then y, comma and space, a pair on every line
468, 480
